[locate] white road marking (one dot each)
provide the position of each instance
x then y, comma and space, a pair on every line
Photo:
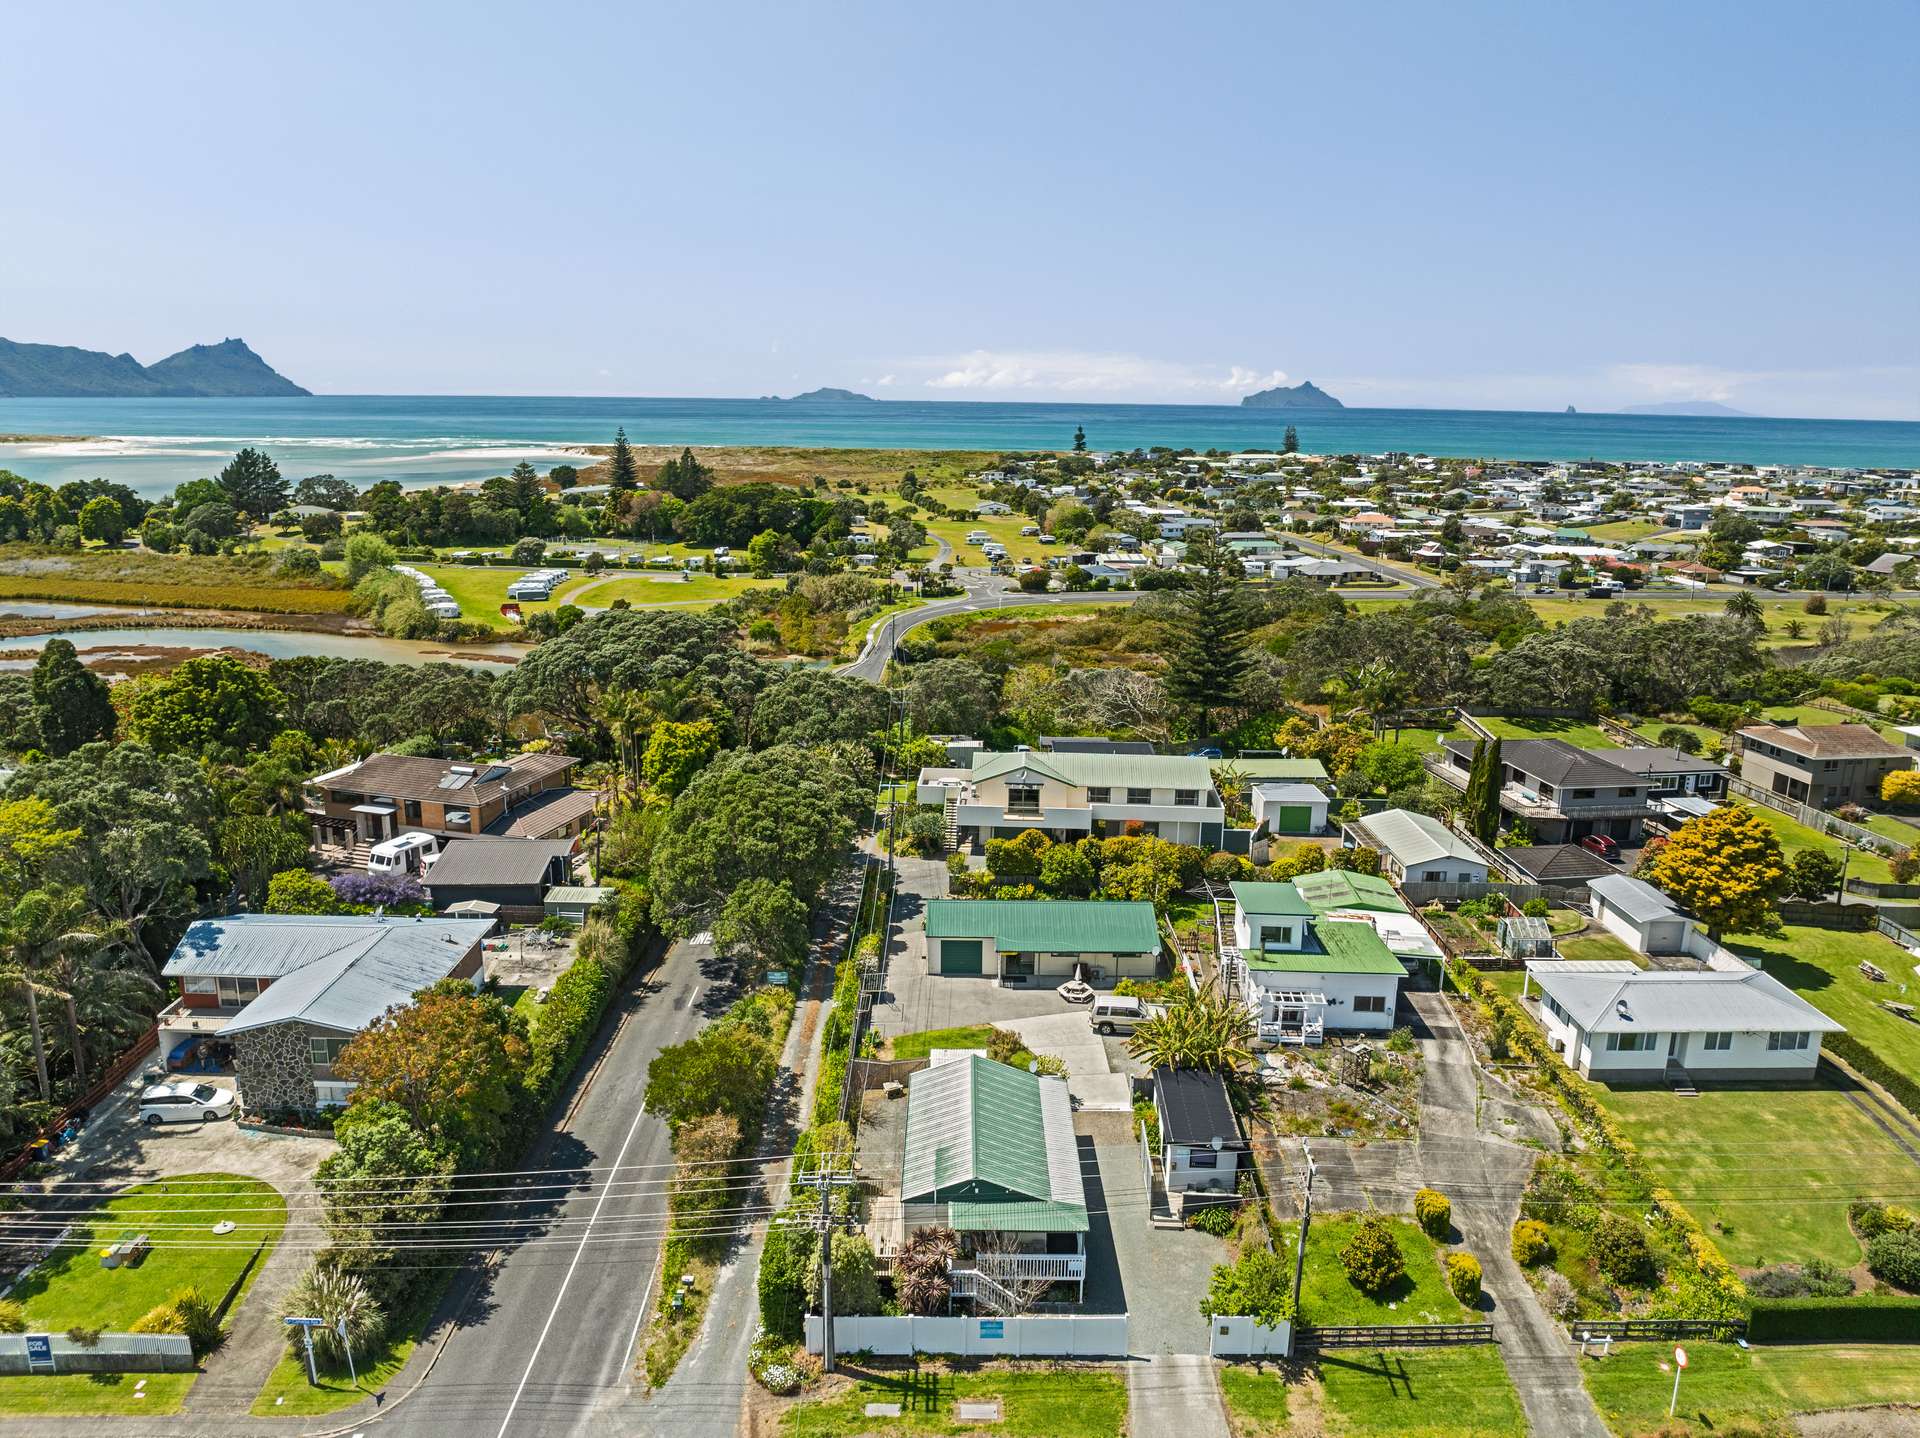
579, 1253
638, 1318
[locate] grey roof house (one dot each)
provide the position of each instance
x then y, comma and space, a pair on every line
513, 873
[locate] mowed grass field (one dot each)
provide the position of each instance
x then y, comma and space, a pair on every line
1823, 967
1726, 1389
1459, 1392
1038, 1400
1769, 1171
1794, 836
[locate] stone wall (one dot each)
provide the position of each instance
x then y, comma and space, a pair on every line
273, 1069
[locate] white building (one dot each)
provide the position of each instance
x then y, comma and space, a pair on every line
1304, 973
1612, 1021
1070, 796
1417, 848
1639, 915
1289, 808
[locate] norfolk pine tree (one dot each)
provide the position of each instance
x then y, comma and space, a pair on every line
1207, 658
622, 473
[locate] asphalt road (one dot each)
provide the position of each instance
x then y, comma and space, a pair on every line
544, 1345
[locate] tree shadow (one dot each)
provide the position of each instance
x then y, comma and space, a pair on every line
1388, 1367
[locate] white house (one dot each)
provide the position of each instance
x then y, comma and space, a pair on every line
1612, 1021
1418, 848
1070, 796
1289, 808
1639, 915
1201, 1146
1305, 973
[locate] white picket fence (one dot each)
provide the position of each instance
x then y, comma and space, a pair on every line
1074, 1336
1237, 1336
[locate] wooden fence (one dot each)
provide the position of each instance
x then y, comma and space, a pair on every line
1658, 1329
1393, 1335
110, 1079
1817, 819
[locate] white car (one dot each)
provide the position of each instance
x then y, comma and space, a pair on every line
184, 1103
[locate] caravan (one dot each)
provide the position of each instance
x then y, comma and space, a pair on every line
410, 853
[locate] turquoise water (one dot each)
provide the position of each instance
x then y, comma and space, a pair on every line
155, 444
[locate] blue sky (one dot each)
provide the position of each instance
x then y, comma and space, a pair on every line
1517, 206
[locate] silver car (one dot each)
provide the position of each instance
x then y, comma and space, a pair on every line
184, 1103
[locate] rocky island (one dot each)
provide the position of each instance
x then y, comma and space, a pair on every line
1305, 395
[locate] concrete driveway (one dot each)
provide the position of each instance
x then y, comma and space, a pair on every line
1071, 1039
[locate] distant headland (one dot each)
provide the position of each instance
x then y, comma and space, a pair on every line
1695, 408
827, 395
228, 370
1305, 395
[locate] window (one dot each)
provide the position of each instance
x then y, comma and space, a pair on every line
1625, 793
1100, 795
1139, 796
322, 1051
1630, 1043
1583, 793
1785, 1042
412, 811
1370, 1004
1717, 1043
1277, 934
1202, 1158
235, 992
199, 986
1433, 876
1023, 796
1186, 798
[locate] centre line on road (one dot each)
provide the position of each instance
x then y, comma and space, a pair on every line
578, 1254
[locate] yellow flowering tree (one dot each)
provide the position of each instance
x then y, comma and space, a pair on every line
1725, 866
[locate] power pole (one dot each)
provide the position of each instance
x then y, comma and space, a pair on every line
1306, 1222
825, 1180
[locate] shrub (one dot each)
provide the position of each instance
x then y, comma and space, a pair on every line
1817, 1279
1372, 1256
186, 1312
334, 1292
1214, 1218
82, 1336
1559, 1294
1870, 1219
1531, 1243
1257, 1285
1622, 1252
1463, 1277
13, 1317
1674, 736
1895, 1257
1875, 1319
1434, 1210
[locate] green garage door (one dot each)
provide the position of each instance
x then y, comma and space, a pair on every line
960, 956
1293, 819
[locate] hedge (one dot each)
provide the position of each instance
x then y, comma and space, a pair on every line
1870, 1065
1869, 1319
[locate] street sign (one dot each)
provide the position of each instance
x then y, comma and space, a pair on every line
39, 1351
1680, 1355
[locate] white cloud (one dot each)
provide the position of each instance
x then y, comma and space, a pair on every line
1079, 372
884, 381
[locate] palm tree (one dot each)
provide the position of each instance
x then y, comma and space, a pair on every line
1207, 1031
1378, 685
1744, 608
1231, 780
621, 712
47, 930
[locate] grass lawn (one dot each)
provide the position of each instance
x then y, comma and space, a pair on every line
1625, 531
918, 1046
1327, 1296
287, 1393
1823, 967
72, 1289
1795, 836
1901, 831
1037, 1401
1776, 613
1256, 1400
88, 1395
1769, 1172
1577, 733
1001, 528
1598, 945
667, 587
1710, 739
1427, 1393
1724, 1386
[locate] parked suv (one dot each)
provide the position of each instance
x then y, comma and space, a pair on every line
1119, 1014
184, 1103
1608, 849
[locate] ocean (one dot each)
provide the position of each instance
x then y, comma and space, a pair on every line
153, 445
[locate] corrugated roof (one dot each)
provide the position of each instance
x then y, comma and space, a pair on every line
994, 1141
1284, 899
1137, 771
1048, 926
1344, 889
1414, 838
486, 862
1635, 898
1699, 1001
1194, 1107
545, 813
1344, 947
386, 964
588, 894
1254, 770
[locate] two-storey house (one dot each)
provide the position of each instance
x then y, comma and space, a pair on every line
1562, 793
1819, 764
525, 796
1072, 796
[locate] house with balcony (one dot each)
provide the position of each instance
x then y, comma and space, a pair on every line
1302, 972
284, 993
384, 795
1819, 764
1072, 796
1562, 793
990, 1153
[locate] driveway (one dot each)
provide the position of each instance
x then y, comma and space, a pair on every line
1070, 1038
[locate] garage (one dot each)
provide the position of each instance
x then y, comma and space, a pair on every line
1283, 808
959, 956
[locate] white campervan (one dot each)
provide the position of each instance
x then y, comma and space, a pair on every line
410, 853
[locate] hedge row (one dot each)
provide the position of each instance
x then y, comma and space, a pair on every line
1868, 1319
836, 1036
1869, 1064
1710, 1288
564, 1025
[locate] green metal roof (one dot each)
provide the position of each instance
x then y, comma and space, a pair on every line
1264, 769
1048, 926
1257, 898
1346, 947
996, 1144
1111, 771
1343, 889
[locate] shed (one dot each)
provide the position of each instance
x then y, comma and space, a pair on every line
1015, 939
513, 873
1201, 1146
574, 902
1640, 915
1289, 808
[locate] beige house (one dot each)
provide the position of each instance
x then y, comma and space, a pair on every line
1819, 764
525, 796
1072, 796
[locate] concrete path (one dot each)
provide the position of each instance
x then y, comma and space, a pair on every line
1175, 1393
1484, 1176
1068, 1037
